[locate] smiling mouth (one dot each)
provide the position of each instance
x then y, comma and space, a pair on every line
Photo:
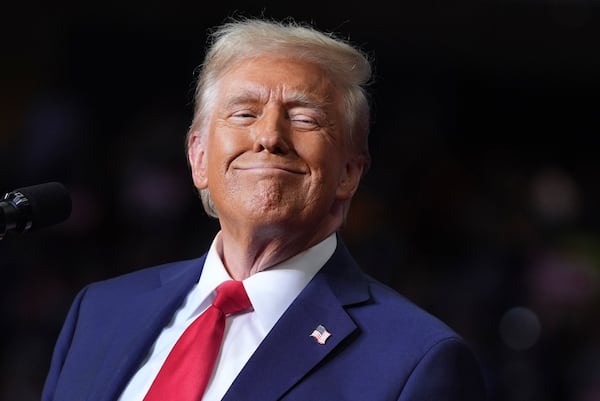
270, 169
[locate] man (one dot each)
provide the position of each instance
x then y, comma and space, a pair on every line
277, 148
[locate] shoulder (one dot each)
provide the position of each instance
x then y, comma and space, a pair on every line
400, 343
391, 318
404, 334
416, 342
438, 363
382, 313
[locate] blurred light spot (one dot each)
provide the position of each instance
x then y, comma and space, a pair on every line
563, 280
555, 196
520, 328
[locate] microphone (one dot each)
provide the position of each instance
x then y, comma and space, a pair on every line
29, 208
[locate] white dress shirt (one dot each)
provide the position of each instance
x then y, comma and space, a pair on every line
271, 292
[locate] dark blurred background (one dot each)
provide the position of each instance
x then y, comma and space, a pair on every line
481, 205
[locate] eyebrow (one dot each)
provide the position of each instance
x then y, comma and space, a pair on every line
303, 100
246, 96
260, 94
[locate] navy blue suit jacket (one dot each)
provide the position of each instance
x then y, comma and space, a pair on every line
382, 347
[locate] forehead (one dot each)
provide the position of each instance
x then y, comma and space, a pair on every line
265, 76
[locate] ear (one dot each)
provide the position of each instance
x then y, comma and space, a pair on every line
197, 159
350, 178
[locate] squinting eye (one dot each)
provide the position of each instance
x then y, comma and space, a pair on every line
243, 114
303, 120
242, 118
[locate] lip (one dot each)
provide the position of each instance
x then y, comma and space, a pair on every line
269, 168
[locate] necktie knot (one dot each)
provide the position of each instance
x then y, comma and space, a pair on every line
231, 297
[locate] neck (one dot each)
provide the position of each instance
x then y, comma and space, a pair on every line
244, 254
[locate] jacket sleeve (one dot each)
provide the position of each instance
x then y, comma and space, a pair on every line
61, 348
449, 371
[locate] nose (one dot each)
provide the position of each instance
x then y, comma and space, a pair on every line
271, 133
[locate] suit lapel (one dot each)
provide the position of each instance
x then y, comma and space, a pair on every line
289, 353
138, 325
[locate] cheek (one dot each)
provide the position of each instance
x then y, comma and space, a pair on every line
323, 159
314, 147
231, 141
225, 146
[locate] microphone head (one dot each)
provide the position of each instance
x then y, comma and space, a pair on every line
50, 203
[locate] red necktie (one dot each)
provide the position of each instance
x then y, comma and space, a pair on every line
189, 366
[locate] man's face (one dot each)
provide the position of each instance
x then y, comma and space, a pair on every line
274, 152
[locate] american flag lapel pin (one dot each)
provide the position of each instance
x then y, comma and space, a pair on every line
320, 334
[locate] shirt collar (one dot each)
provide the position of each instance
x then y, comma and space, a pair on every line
271, 291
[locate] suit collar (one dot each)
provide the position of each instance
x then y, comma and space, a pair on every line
345, 278
288, 353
